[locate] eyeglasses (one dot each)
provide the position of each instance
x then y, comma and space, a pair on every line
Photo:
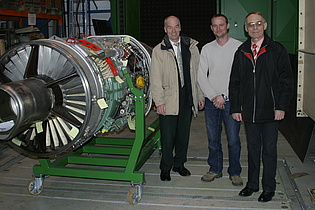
252, 24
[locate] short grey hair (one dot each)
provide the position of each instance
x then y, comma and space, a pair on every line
256, 13
171, 16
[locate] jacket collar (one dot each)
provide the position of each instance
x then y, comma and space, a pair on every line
268, 43
166, 44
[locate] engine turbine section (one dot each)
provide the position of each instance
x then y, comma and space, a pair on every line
56, 94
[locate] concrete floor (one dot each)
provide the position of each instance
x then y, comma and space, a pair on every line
293, 180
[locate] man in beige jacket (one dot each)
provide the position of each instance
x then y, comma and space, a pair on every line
175, 91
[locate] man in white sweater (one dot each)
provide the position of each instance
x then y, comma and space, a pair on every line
213, 77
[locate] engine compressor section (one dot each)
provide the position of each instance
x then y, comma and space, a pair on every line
56, 94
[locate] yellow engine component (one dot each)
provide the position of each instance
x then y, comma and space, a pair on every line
140, 83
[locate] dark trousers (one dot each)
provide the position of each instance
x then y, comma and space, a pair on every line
175, 131
262, 142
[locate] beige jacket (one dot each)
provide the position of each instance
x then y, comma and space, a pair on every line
164, 76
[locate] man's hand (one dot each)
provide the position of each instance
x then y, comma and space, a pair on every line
279, 114
237, 117
218, 101
201, 105
161, 109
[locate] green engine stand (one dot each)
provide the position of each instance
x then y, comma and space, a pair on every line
110, 153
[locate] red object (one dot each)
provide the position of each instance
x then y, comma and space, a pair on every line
111, 66
84, 43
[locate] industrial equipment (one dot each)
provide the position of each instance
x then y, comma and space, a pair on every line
57, 95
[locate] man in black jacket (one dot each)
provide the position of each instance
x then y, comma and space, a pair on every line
260, 89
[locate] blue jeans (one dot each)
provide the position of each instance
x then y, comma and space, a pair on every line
214, 119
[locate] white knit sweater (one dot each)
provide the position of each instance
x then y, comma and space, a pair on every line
216, 62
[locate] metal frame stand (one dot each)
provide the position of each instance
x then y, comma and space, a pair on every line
108, 152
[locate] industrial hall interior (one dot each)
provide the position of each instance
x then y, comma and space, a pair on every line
88, 102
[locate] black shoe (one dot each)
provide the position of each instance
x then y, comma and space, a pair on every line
182, 171
247, 191
266, 196
165, 176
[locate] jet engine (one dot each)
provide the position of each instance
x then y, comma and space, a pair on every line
56, 93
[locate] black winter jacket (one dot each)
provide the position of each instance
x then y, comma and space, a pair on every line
258, 89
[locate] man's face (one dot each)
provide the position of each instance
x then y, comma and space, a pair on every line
255, 25
172, 29
219, 27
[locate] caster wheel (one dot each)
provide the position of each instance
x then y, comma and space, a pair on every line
134, 195
34, 188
